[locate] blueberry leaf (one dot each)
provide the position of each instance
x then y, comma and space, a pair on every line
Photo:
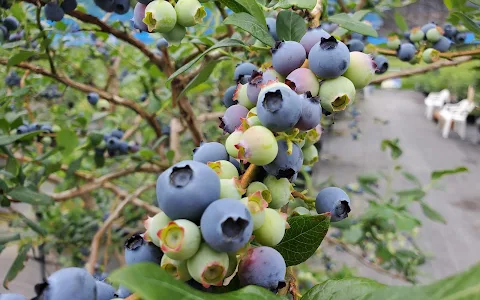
469, 23
248, 6
344, 289
8, 139
400, 21
432, 214
307, 4
303, 238
150, 282
251, 25
439, 174
202, 76
359, 15
17, 265
26, 195
348, 22
19, 57
290, 26
67, 140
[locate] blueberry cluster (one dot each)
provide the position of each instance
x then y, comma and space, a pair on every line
94, 99
357, 44
9, 30
48, 129
169, 20
50, 92
114, 145
55, 10
12, 79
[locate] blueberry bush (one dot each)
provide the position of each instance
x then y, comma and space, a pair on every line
178, 144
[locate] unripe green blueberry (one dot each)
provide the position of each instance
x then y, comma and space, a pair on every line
257, 146
393, 42
312, 136
242, 97
160, 16
280, 189
257, 186
272, 230
231, 188
430, 55
253, 121
46, 140
361, 69
233, 139
300, 211
435, 34
310, 155
256, 204
189, 12
103, 105
416, 34
176, 35
56, 128
208, 266
336, 94
180, 239
177, 269
232, 264
224, 169
154, 225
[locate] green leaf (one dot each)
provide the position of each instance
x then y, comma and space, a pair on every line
440, 173
351, 24
400, 21
412, 178
415, 194
26, 195
8, 139
150, 282
17, 265
290, 26
353, 234
395, 149
432, 214
249, 6
201, 77
343, 289
222, 44
251, 25
67, 140
307, 4
18, 11
9, 238
34, 226
359, 15
19, 57
469, 23
477, 2
12, 165
303, 238
170, 156
74, 166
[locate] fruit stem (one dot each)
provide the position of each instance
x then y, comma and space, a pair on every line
297, 194
247, 177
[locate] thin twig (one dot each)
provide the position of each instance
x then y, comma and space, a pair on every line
342, 6
131, 130
98, 235
247, 177
224, 14
45, 38
448, 55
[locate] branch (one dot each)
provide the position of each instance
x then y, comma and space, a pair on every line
98, 235
136, 201
421, 70
115, 99
45, 38
176, 128
224, 14
448, 55
360, 5
342, 6
247, 177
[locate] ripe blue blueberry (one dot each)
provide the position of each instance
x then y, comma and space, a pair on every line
53, 11
145, 1
288, 56
118, 133
311, 112
382, 64
443, 45
450, 31
104, 291
329, 58
226, 225
285, 165
303, 80
22, 129
123, 147
334, 201
68, 5
208, 152
12, 79
138, 250
278, 107
355, 45
162, 44
123, 292
11, 23
138, 16
46, 127
460, 37
12, 297
228, 96
68, 283
263, 266
406, 52
186, 189
313, 36
231, 120
112, 145
34, 127
242, 70
357, 36
122, 6
93, 98
272, 27
254, 86
425, 28
106, 5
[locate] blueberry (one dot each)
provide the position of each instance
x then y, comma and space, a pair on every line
162, 44
92, 98
16, 36
417, 34
382, 64
231, 188
263, 266
118, 133
406, 52
144, 1
279, 189
430, 55
12, 297
329, 27
272, 231
138, 250
357, 36
443, 44
226, 225
176, 268
68, 5
285, 165
22, 129
434, 34
278, 107
303, 80
361, 69
138, 16
336, 94
143, 97
68, 283
208, 266
329, 58
34, 127
123, 147
334, 201
236, 163
180, 239
186, 189
123, 292
224, 169
176, 35
450, 31
46, 127
272, 27
228, 96
460, 37
311, 113
254, 86
121, 6
106, 5
154, 225
160, 16
313, 36
393, 42
53, 12
288, 56
231, 120
425, 28
104, 291
11, 23
112, 145
257, 145
12, 79
232, 140
355, 45
242, 70
256, 205
310, 155
241, 94
189, 12
208, 152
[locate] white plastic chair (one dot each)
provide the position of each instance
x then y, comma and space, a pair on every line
436, 100
457, 114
